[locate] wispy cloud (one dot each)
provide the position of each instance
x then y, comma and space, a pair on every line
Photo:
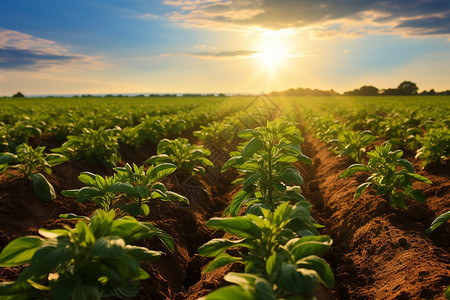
216, 54
26, 52
407, 17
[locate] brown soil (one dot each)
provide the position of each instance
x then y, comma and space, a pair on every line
378, 252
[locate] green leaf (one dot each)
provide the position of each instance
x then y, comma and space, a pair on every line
408, 166
419, 178
7, 158
122, 187
240, 226
48, 257
229, 292
52, 233
300, 281
133, 209
236, 203
271, 263
354, 169
439, 221
42, 188
447, 293
264, 291
320, 266
64, 286
250, 180
177, 197
291, 175
73, 216
287, 159
88, 193
310, 245
19, 251
253, 146
418, 196
129, 229
160, 187
17, 290
220, 261
108, 247
70, 193
55, 159
126, 291
145, 209
361, 188
217, 246
87, 178
142, 253
162, 170
232, 162
166, 239
85, 291
246, 134
204, 161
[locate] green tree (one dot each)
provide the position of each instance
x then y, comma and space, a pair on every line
408, 88
18, 95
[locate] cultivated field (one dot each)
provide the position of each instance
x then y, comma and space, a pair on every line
284, 198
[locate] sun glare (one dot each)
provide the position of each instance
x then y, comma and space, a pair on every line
273, 53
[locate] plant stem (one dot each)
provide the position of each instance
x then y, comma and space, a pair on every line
270, 179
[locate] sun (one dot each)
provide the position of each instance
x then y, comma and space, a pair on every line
272, 53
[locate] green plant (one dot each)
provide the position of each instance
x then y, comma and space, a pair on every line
28, 162
100, 145
91, 261
284, 263
436, 146
266, 164
186, 157
396, 129
353, 143
218, 133
391, 176
442, 219
130, 189
11, 136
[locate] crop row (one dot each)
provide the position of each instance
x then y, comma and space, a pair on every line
269, 218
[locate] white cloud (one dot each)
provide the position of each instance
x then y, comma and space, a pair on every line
23, 51
406, 17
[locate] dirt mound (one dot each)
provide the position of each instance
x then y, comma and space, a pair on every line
378, 252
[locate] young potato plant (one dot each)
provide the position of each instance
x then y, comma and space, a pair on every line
28, 162
93, 145
187, 158
353, 144
436, 146
280, 262
399, 134
11, 136
391, 176
266, 164
91, 261
129, 190
217, 133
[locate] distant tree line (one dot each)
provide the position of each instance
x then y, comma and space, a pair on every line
304, 92
404, 89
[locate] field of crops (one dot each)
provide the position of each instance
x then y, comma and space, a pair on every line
225, 198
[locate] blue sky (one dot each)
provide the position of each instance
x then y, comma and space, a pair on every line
211, 46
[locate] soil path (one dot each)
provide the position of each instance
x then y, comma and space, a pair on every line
377, 252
